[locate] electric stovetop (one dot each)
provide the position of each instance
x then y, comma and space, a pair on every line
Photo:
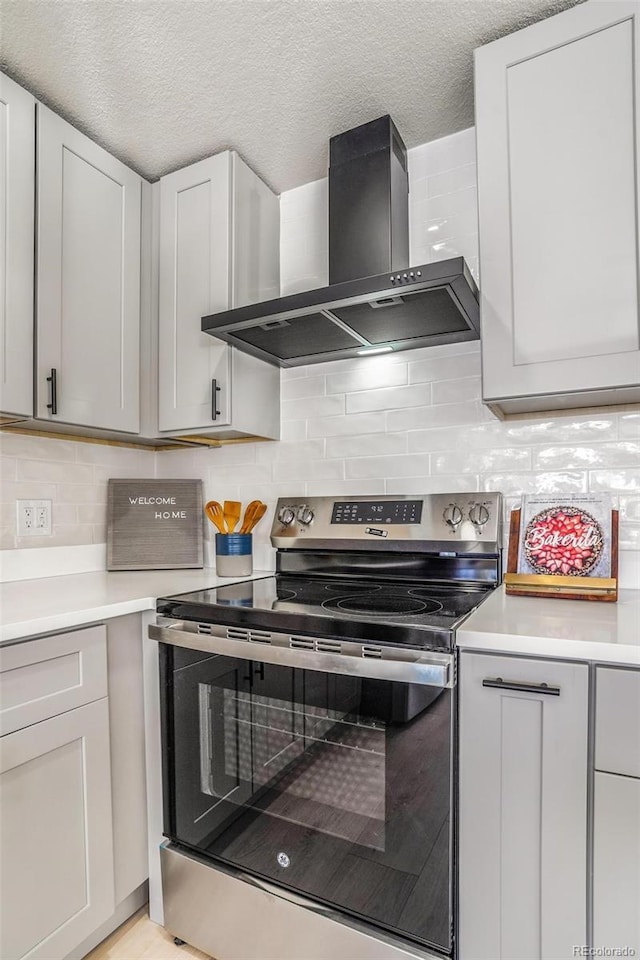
419, 614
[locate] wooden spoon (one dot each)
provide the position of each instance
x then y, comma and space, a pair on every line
257, 516
248, 515
214, 513
232, 511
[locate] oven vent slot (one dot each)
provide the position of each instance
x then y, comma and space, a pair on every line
204, 628
236, 633
327, 646
302, 643
369, 651
259, 636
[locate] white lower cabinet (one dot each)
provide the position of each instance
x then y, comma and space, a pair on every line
523, 808
56, 841
616, 863
73, 818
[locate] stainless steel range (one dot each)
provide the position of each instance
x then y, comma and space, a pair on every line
309, 733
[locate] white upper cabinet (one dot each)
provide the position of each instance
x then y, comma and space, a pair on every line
17, 160
88, 281
219, 249
558, 142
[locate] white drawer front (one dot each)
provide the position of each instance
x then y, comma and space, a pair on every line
618, 721
43, 678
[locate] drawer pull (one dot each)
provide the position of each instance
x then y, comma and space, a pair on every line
215, 390
521, 686
53, 380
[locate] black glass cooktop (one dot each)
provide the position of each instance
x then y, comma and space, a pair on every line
414, 613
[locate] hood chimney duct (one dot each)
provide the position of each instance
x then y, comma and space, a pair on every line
368, 202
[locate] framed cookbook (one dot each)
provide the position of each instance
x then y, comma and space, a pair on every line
154, 524
566, 547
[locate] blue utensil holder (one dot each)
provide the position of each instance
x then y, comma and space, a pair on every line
234, 554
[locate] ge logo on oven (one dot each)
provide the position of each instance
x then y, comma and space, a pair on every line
283, 859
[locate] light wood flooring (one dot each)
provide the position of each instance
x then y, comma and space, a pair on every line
141, 939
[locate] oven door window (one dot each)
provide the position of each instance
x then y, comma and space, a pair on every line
333, 786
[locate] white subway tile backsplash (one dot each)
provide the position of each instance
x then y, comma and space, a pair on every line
50, 471
307, 387
629, 425
352, 425
629, 537
382, 467
454, 391
389, 398
293, 430
418, 485
629, 508
313, 407
12, 490
345, 488
623, 453
464, 461
369, 445
372, 376
8, 468
451, 180
33, 447
449, 414
445, 368
305, 469
295, 450
614, 481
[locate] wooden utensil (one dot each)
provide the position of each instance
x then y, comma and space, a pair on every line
248, 515
232, 511
214, 513
257, 516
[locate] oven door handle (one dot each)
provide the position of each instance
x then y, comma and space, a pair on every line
396, 664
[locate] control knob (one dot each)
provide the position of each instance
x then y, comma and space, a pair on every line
479, 515
305, 514
453, 516
286, 516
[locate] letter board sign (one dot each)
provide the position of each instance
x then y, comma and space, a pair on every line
154, 524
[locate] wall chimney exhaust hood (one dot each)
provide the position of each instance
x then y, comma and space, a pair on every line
374, 303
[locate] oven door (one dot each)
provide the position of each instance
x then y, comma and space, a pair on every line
328, 775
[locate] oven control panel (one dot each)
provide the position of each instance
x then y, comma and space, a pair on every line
465, 522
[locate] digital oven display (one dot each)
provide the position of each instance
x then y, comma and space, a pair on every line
376, 511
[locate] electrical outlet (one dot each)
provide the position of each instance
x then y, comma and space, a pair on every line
34, 518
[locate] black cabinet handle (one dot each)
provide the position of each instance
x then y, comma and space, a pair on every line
53, 380
215, 390
521, 686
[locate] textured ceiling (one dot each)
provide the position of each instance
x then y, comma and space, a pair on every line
161, 83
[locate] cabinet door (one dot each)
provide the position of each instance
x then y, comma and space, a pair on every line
557, 135
88, 281
56, 876
17, 171
523, 808
195, 279
616, 866
45, 677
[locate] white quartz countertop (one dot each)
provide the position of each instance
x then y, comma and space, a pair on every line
567, 629
30, 607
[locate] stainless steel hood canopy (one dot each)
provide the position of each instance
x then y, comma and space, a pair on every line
374, 302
